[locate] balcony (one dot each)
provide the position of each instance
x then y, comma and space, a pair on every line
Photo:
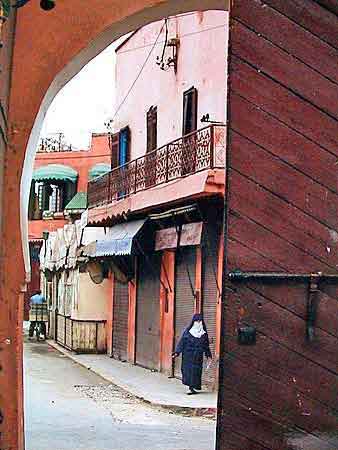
198, 151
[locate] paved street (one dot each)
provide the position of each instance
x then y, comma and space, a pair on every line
70, 408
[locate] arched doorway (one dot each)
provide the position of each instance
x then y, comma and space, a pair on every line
281, 331
49, 49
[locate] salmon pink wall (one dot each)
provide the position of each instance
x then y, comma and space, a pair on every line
201, 63
81, 161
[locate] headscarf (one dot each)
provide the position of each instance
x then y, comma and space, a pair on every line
197, 327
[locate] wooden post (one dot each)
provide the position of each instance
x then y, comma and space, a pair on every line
219, 298
167, 301
110, 317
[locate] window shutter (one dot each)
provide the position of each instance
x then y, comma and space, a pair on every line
193, 109
114, 146
189, 111
149, 134
152, 129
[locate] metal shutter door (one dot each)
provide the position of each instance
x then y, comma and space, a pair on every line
120, 320
184, 299
148, 312
209, 295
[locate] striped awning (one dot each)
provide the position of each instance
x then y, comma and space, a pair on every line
98, 170
118, 241
57, 172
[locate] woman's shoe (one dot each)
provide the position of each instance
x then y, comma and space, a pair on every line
191, 391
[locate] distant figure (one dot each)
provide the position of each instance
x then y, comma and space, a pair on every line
37, 299
193, 344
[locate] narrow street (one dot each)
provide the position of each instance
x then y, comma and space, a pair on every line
70, 408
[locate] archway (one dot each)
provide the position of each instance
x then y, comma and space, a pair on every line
49, 50
278, 113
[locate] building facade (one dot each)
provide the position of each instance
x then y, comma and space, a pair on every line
59, 191
168, 158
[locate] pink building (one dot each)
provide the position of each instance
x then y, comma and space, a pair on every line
163, 199
199, 43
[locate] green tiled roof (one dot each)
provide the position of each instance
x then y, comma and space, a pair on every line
79, 201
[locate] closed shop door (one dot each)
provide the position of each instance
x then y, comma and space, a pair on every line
184, 297
148, 312
120, 320
210, 295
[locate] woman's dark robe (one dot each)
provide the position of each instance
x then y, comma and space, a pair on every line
192, 350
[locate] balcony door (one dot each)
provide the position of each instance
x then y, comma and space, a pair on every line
150, 166
124, 156
188, 156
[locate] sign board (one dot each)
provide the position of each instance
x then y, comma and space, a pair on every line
84, 219
167, 238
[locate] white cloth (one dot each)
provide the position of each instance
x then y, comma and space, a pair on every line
197, 330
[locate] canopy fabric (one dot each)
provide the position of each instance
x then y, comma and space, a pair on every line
78, 202
98, 170
118, 240
55, 172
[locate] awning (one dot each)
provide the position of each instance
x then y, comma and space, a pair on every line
98, 170
55, 172
119, 240
78, 202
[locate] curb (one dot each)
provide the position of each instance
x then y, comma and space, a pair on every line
208, 413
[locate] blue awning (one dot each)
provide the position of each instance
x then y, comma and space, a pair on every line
118, 241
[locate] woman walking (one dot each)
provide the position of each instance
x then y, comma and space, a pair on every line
193, 344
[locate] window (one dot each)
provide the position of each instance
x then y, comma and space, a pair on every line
114, 145
152, 129
188, 156
189, 111
124, 146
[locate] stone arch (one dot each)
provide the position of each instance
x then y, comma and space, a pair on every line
49, 49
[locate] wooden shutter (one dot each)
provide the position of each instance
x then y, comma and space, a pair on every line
124, 146
152, 129
114, 147
210, 294
148, 311
120, 320
184, 296
189, 111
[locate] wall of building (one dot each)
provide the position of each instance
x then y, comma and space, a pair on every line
93, 299
81, 161
201, 63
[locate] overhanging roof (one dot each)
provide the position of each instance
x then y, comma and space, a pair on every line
57, 172
118, 240
78, 202
98, 170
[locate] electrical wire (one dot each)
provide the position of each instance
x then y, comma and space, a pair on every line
180, 37
138, 75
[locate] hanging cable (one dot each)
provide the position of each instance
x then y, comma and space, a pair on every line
152, 267
178, 247
180, 37
210, 253
138, 75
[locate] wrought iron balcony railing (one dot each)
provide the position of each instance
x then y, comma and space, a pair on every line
192, 153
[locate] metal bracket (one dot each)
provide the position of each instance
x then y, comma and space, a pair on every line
312, 303
312, 300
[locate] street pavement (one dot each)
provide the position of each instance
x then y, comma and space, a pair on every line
68, 407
